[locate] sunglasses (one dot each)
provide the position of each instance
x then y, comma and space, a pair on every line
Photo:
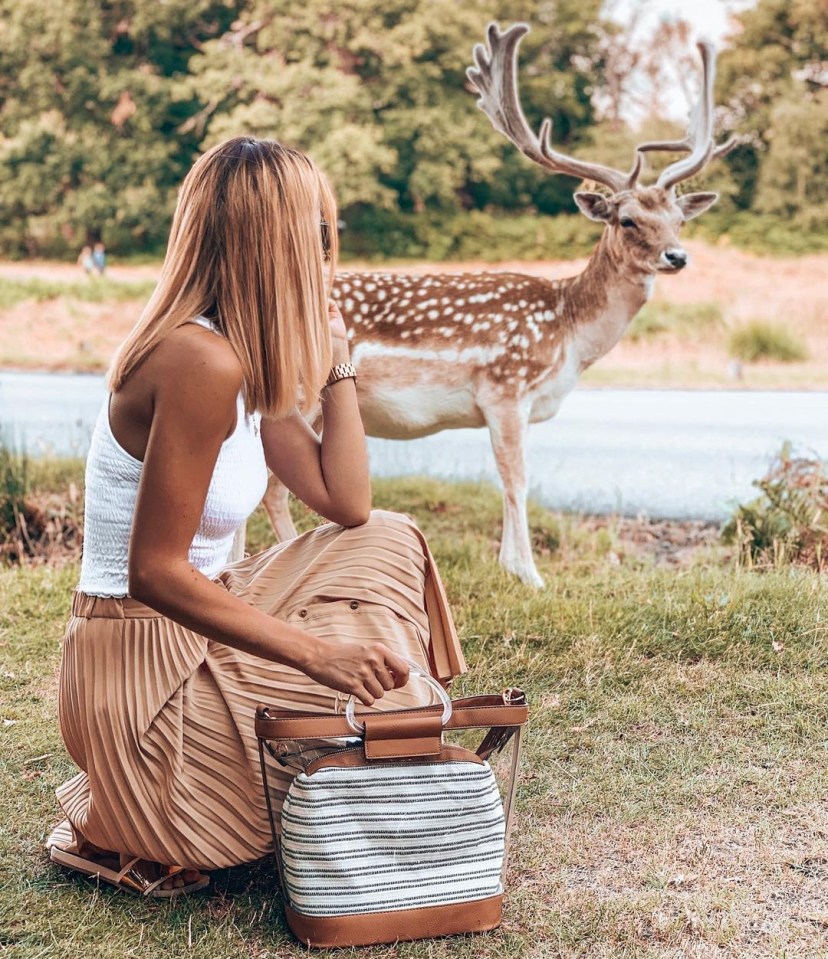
325, 231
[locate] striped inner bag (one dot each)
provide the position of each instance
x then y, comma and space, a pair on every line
382, 838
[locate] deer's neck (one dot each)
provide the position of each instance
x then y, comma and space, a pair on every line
601, 302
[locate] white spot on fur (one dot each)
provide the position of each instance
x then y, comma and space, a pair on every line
478, 353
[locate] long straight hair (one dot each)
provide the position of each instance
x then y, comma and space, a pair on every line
253, 246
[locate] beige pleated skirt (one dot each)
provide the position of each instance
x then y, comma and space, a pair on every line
160, 719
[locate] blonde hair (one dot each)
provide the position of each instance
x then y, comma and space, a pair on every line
246, 249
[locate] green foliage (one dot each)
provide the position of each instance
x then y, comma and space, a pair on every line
760, 340
14, 488
94, 134
760, 233
465, 236
681, 319
794, 176
770, 82
104, 107
788, 523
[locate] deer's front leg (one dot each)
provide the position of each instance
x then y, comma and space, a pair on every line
508, 423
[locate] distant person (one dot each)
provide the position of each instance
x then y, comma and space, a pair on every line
99, 258
86, 260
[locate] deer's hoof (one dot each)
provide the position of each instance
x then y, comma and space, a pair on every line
527, 574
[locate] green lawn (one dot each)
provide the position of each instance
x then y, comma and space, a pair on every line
673, 796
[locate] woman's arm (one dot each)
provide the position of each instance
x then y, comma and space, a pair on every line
194, 382
330, 473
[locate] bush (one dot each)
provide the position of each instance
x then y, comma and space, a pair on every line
35, 524
788, 523
387, 235
14, 487
759, 340
682, 319
746, 230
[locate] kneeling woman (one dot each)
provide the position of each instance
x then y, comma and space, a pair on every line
169, 647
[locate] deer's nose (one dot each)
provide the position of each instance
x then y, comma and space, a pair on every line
676, 258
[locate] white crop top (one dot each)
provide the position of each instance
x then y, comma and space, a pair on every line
112, 475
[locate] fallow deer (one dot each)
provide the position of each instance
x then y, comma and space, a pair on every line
502, 350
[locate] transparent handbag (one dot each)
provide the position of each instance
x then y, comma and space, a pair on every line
395, 825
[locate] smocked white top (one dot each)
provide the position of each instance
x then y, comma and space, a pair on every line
112, 476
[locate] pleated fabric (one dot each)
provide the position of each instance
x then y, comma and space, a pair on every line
160, 718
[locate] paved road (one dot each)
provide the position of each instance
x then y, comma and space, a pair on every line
682, 454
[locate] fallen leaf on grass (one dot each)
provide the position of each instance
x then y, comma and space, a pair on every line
581, 729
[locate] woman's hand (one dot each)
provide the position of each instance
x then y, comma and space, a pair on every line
364, 670
339, 335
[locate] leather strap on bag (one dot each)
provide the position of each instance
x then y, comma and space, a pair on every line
472, 712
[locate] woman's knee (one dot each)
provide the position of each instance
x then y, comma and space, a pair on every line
389, 519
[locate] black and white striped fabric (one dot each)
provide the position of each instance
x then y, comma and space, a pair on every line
383, 838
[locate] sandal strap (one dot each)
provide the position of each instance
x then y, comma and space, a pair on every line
134, 879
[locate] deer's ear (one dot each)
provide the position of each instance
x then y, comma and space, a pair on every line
694, 204
594, 206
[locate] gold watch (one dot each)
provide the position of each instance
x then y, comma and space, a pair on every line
342, 371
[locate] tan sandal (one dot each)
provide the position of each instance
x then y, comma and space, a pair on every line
62, 840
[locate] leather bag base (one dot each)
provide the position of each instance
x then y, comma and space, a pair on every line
372, 929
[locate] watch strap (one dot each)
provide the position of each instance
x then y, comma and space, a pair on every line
341, 371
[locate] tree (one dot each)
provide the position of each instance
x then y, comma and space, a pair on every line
377, 93
90, 120
773, 71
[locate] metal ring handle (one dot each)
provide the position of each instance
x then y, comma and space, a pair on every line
416, 670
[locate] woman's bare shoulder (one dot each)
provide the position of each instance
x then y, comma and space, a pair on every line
193, 355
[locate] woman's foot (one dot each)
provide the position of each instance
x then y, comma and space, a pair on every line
149, 870
116, 861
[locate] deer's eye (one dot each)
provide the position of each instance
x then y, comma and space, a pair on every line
627, 222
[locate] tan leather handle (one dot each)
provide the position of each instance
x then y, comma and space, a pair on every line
473, 712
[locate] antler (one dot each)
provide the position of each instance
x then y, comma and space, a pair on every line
495, 76
699, 139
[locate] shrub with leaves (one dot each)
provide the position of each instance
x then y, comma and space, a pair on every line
14, 485
692, 320
759, 340
34, 524
788, 522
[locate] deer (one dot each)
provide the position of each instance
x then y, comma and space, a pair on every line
502, 350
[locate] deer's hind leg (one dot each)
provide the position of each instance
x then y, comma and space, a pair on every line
275, 502
508, 422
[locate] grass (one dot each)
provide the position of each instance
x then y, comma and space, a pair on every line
672, 798
91, 290
760, 340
